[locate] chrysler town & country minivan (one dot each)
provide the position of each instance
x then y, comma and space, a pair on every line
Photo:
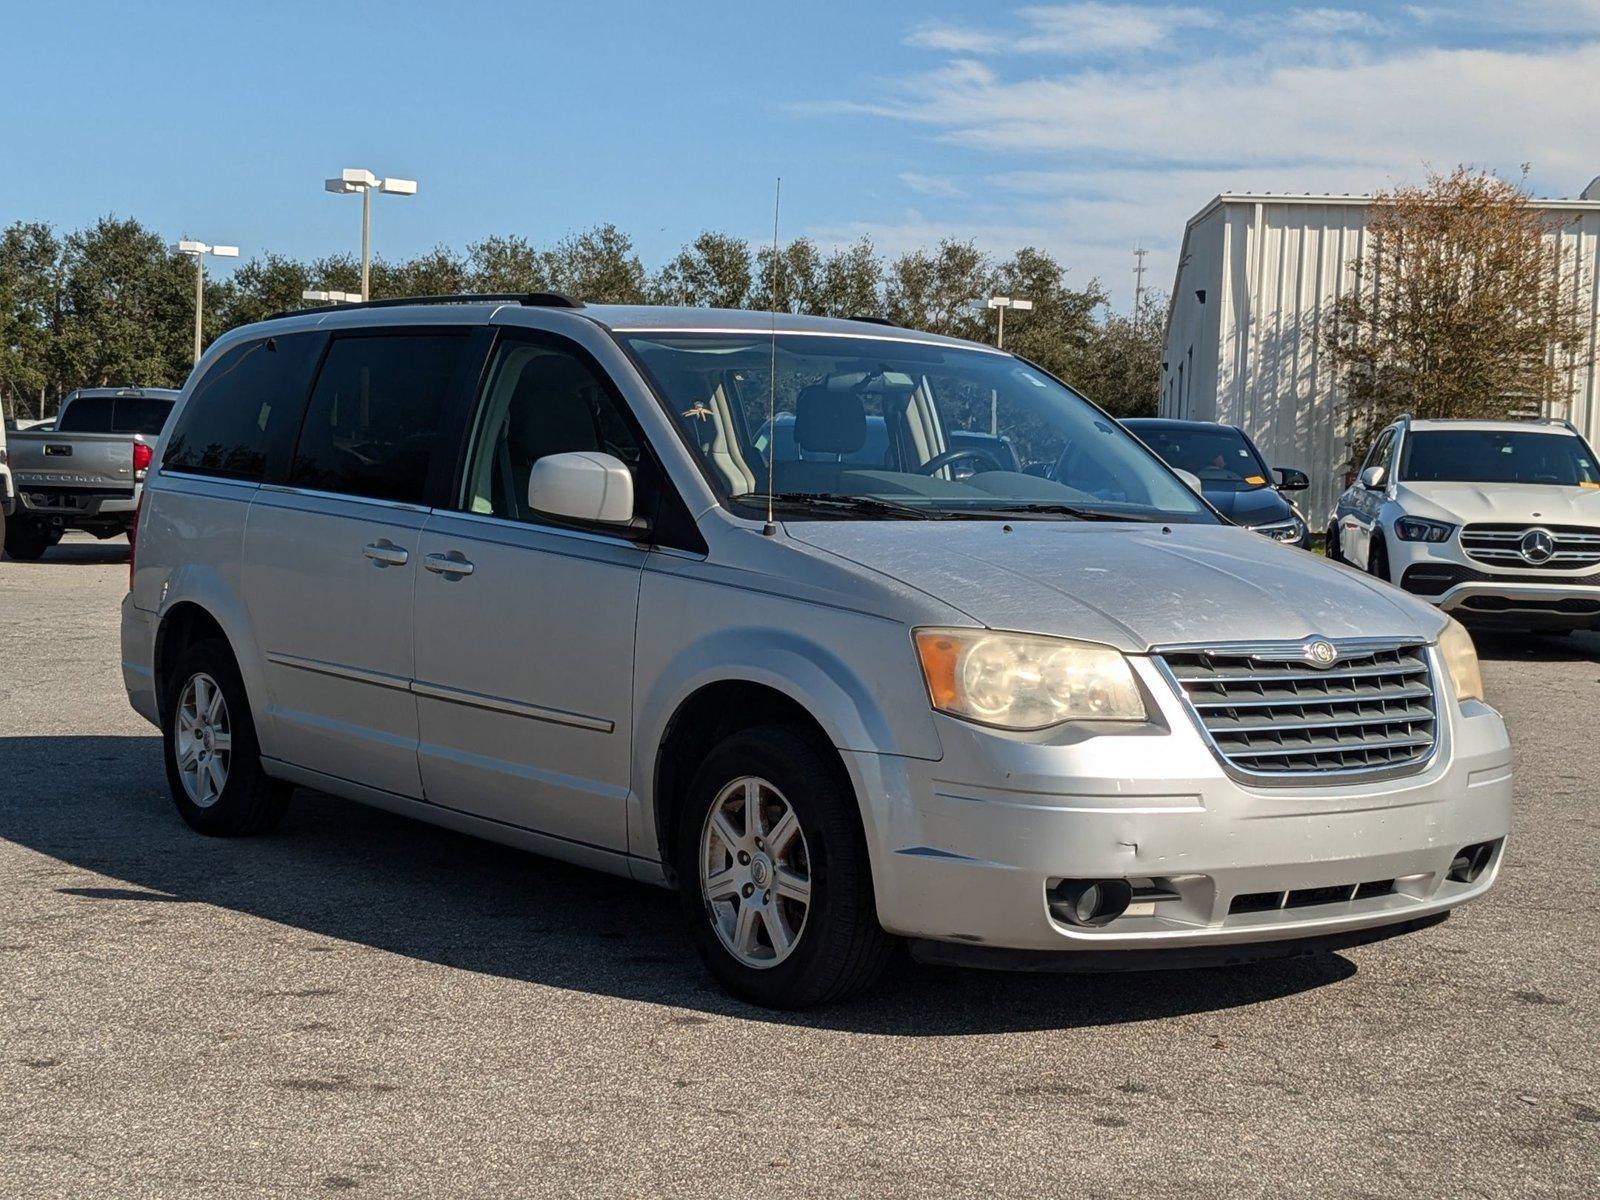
1001, 686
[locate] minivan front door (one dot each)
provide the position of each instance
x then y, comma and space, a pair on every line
331, 556
524, 630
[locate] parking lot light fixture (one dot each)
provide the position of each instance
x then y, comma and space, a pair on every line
358, 179
320, 296
198, 252
1000, 304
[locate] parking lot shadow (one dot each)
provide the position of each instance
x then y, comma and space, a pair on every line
342, 871
79, 551
1495, 646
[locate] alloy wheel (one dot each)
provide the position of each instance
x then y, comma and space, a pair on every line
755, 872
203, 740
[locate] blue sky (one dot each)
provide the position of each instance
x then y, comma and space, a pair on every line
1080, 127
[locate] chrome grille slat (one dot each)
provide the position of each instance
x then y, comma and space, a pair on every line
1576, 546
1270, 714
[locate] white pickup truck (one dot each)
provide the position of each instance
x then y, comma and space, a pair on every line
87, 472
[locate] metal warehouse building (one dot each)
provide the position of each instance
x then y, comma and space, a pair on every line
1256, 279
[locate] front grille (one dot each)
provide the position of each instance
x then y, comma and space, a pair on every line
1576, 547
1344, 893
1269, 713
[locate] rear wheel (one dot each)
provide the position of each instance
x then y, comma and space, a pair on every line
213, 759
773, 874
26, 540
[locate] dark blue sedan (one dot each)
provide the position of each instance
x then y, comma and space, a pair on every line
1233, 476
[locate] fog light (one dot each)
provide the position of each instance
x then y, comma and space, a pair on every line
1470, 862
1090, 902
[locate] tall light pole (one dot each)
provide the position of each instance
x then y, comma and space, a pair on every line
198, 252
353, 179
1001, 303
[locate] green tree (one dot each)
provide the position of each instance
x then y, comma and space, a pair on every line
1464, 307
937, 292
269, 284
508, 264
1120, 367
852, 282
598, 265
1058, 331
711, 271
32, 273
127, 309
439, 272
789, 279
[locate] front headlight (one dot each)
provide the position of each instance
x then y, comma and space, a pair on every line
1419, 529
1290, 531
1461, 660
1023, 681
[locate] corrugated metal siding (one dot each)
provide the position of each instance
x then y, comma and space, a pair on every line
1272, 269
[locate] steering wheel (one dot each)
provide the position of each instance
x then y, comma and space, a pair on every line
940, 461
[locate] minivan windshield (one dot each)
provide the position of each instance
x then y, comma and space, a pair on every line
1498, 456
881, 428
1218, 454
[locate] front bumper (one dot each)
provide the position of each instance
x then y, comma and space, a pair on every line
1474, 592
966, 849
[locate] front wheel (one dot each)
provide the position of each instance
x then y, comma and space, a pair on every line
213, 759
773, 874
1330, 544
1378, 557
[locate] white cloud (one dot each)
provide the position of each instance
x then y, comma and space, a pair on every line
931, 185
1068, 30
1092, 156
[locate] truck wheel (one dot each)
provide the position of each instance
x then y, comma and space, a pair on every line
212, 756
26, 540
773, 874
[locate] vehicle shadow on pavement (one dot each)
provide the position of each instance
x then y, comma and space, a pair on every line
343, 871
1495, 646
94, 554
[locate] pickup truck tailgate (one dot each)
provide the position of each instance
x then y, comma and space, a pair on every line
97, 461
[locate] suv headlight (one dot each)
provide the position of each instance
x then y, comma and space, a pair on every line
1461, 660
1024, 681
1417, 529
1290, 531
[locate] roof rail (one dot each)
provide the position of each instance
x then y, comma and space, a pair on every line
526, 299
869, 319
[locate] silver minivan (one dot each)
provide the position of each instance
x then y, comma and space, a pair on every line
954, 662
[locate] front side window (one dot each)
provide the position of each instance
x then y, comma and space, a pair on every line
374, 415
245, 409
1499, 456
900, 428
541, 399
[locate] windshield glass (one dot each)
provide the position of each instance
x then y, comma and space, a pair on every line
1218, 454
911, 428
1498, 456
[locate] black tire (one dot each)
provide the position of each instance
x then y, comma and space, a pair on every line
841, 949
1378, 558
249, 801
26, 541
1330, 544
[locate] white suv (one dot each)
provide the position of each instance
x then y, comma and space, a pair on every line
1497, 522
1001, 684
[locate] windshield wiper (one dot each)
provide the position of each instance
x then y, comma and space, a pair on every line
1047, 508
862, 505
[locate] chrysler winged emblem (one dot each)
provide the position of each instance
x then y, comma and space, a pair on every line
1320, 652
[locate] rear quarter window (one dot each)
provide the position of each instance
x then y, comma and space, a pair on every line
241, 420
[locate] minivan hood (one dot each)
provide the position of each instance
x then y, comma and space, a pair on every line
1132, 586
1466, 502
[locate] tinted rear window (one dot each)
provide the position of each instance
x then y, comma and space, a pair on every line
243, 415
374, 415
116, 414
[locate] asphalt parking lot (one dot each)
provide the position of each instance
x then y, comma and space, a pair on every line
361, 1003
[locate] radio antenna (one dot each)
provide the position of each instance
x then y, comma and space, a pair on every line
771, 528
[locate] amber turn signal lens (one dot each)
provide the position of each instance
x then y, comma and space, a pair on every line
939, 653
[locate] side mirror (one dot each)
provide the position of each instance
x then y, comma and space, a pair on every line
1373, 478
1292, 480
1188, 477
585, 486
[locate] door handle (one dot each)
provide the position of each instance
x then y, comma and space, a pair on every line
452, 565
385, 553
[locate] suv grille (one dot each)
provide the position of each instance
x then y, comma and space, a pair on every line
1569, 547
1270, 713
